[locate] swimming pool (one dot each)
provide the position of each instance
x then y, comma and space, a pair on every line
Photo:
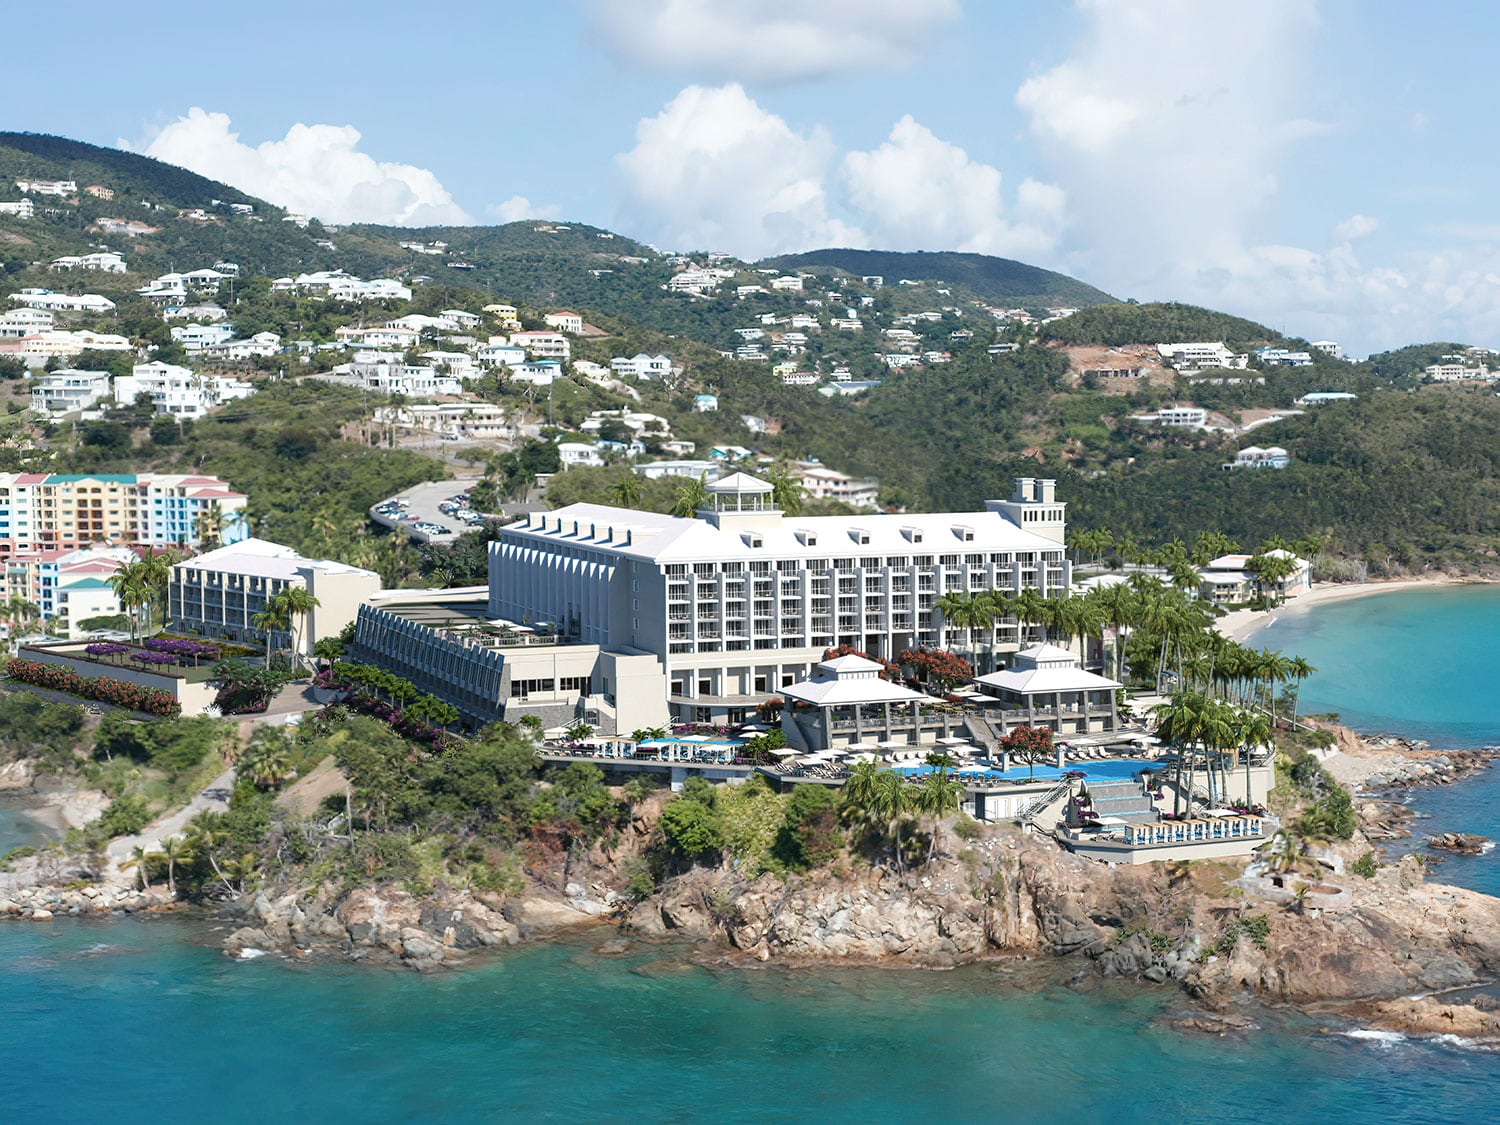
1110, 769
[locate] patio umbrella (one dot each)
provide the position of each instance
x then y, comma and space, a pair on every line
786, 752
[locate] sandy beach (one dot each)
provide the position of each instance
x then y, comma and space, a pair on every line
1243, 622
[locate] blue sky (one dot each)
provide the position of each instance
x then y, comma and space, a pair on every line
1323, 165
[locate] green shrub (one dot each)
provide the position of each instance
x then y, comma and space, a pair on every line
690, 829
1366, 865
126, 816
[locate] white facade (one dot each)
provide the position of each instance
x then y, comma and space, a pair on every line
217, 594
105, 261
64, 392
823, 483
1198, 356
178, 391
564, 320
745, 600
543, 345
62, 302
642, 366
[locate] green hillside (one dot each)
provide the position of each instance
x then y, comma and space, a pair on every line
1129, 323
986, 277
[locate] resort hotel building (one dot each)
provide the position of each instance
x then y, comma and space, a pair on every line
44, 511
626, 619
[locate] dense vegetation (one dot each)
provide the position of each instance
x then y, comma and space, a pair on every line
1129, 323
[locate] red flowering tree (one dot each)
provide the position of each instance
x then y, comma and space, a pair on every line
1030, 745
937, 666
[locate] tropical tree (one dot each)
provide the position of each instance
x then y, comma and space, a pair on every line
1251, 729
938, 795
628, 491
269, 622
787, 492
296, 604
133, 589
1299, 670
969, 614
692, 496
892, 801
266, 761
174, 850
1030, 745
141, 859
208, 527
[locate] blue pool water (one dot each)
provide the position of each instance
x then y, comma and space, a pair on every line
1117, 769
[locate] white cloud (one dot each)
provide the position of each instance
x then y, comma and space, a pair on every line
1170, 125
518, 207
715, 171
918, 192
1166, 124
1356, 227
769, 40
315, 169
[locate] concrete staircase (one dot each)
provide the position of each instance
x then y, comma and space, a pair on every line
1122, 800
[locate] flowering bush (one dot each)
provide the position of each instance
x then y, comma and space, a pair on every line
183, 647
119, 693
106, 649
937, 666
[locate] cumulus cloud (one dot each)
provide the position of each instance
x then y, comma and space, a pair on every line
1356, 227
518, 207
714, 170
769, 40
1167, 124
918, 192
315, 169
1171, 124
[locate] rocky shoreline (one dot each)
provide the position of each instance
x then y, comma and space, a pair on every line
1204, 927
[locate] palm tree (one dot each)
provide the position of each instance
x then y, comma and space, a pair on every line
209, 527
296, 603
692, 496
892, 799
1251, 729
1031, 608
787, 492
133, 588
266, 763
859, 791
174, 850
140, 859
627, 491
1299, 670
937, 796
270, 621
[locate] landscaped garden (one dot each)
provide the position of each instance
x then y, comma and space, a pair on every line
173, 656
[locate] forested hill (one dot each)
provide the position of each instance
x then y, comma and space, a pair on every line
1129, 323
994, 279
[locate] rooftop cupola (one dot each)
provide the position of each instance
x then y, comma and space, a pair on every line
741, 501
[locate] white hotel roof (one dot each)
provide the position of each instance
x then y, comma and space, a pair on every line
262, 559
662, 538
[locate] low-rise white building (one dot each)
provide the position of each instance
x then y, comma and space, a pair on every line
217, 594
1254, 457
823, 483
564, 320
104, 261
642, 366
177, 391
543, 345
68, 391
63, 302
1200, 355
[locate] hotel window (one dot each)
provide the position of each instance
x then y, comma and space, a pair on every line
898, 561
703, 570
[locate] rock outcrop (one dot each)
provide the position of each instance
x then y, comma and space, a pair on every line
385, 923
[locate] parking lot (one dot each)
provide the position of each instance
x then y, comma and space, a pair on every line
418, 513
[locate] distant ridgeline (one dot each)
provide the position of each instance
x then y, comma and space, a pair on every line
953, 402
998, 280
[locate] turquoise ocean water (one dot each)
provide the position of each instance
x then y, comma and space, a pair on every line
142, 1020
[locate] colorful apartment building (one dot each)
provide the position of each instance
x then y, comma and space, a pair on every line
56, 511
